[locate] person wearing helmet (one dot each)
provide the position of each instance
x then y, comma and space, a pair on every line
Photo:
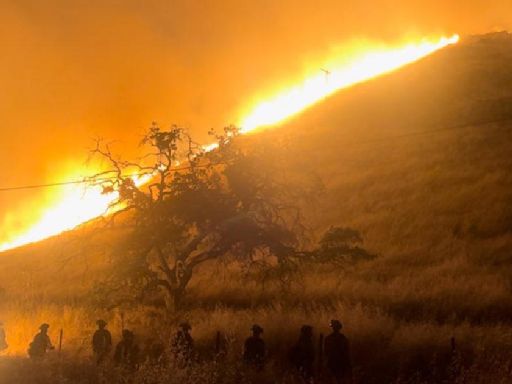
127, 352
337, 353
254, 348
3, 340
183, 344
101, 342
41, 343
302, 354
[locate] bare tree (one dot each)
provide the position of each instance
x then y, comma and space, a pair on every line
197, 206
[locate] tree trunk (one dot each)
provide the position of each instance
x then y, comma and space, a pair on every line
174, 298
178, 298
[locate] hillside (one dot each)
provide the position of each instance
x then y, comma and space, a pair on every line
418, 161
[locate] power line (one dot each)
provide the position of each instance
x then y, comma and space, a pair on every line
41, 185
61, 183
436, 130
90, 179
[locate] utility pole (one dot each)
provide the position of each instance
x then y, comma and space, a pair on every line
327, 74
122, 322
61, 334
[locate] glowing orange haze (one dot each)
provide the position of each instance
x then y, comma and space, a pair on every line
81, 204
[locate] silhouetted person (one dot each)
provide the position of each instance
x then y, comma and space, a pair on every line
3, 340
337, 353
127, 351
182, 344
101, 342
41, 343
254, 348
302, 355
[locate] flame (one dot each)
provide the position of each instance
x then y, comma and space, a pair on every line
316, 87
79, 205
83, 204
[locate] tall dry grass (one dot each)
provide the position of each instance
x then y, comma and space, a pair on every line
399, 328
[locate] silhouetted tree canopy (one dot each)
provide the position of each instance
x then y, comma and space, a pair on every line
198, 205
201, 205
341, 245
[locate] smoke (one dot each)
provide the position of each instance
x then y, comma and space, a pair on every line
74, 70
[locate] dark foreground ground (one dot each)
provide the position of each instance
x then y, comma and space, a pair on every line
449, 367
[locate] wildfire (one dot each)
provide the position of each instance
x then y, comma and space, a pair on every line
79, 205
83, 204
325, 82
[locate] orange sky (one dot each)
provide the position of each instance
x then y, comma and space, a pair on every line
71, 70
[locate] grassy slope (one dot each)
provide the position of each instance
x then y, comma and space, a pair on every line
426, 188
418, 160
427, 198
